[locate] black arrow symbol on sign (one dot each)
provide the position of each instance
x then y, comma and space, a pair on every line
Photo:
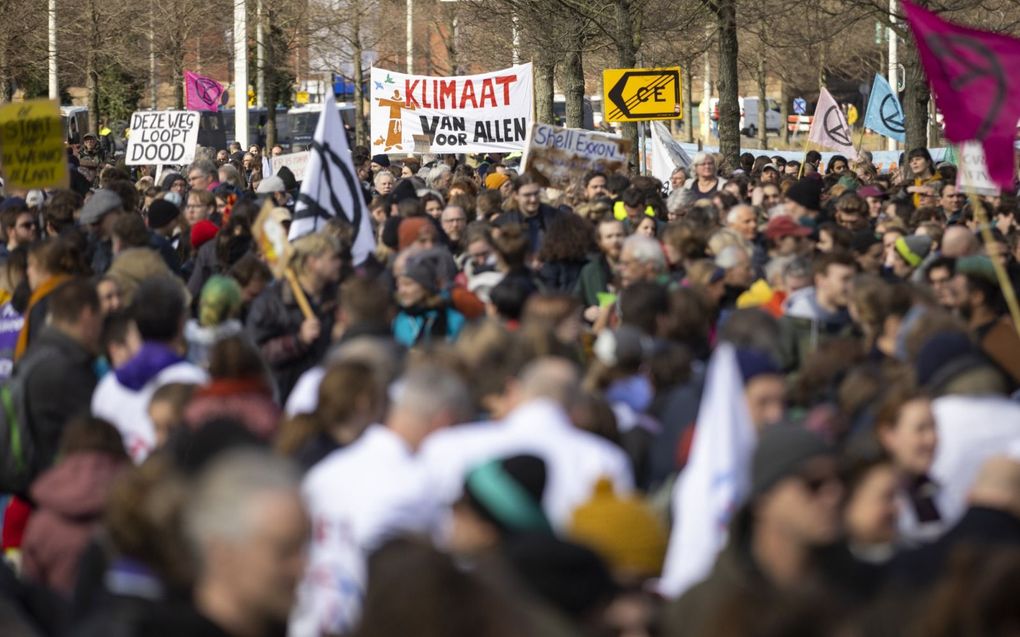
623, 106
837, 132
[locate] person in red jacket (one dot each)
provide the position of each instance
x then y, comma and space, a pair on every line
71, 497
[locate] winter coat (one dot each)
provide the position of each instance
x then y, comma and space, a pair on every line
70, 497
274, 323
593, 279
249, 401
805, 325
58, 388
414, 326
536, 225
202, 339
560, 276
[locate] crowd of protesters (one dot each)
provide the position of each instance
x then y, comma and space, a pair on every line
478, 430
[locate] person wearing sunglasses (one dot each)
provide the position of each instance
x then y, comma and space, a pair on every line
20, 226
793, 510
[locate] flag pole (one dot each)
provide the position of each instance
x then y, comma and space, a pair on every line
807, 142
986, 236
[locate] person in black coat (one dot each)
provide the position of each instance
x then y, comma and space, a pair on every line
529, 211
290, 342
57, 370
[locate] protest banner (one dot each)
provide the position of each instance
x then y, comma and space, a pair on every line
562, 155
297, 163
162, 137
490, 112
32, 143
667, 153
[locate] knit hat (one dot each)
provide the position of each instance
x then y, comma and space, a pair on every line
977, 266
162, 213
785, 226
782, 452
411, 229
423, 269
382, 160
202, 232
754, 363
623, 530
220, 300
508, 493
99, 205
494, 181
806, 192
914, 248
403, 190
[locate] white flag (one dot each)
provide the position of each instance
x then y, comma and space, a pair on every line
716, 479
667, 154
331, 186
829, 127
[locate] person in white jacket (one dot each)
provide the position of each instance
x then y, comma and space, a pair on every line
539, 426
365, 493
122, 397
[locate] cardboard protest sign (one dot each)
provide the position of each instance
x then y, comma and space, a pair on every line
162, 137
296, 162
972, 176
32, 145
563, 155
482, 113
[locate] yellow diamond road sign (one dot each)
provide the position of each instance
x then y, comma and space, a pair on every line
638, 95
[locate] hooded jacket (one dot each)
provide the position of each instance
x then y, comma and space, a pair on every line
805, 325
70, 498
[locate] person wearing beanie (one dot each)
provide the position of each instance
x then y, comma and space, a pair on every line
764, 387
983, 306
804, 199
426, 312
380, 162
161, 215
624, 531
775, 538
501, 498
500, 182
219, 307
419, 232
909, 253
202, 232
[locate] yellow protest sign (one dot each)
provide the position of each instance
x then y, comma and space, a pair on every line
852, 115
639, 95
32, 145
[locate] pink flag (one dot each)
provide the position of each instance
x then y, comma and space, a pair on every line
203, 93
973, 75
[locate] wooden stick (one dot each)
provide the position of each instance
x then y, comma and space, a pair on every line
299, 294
986, 235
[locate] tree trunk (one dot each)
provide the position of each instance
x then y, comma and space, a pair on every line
688, 106
545, 69
270, 125
178, 80
92, 68
915, 100
763, 106
360, 130
729, 106
573, 84
627, 58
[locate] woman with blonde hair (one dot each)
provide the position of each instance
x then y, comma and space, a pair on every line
290, 342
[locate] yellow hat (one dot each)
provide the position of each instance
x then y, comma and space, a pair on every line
493, 181
624, 531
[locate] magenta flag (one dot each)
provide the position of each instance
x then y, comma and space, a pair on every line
973, 75
203, 93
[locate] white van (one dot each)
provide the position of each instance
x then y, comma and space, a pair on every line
749, 116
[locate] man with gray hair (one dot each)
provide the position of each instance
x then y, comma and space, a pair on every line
642, 259
364, 493
247, 528
440, 177
203, 175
